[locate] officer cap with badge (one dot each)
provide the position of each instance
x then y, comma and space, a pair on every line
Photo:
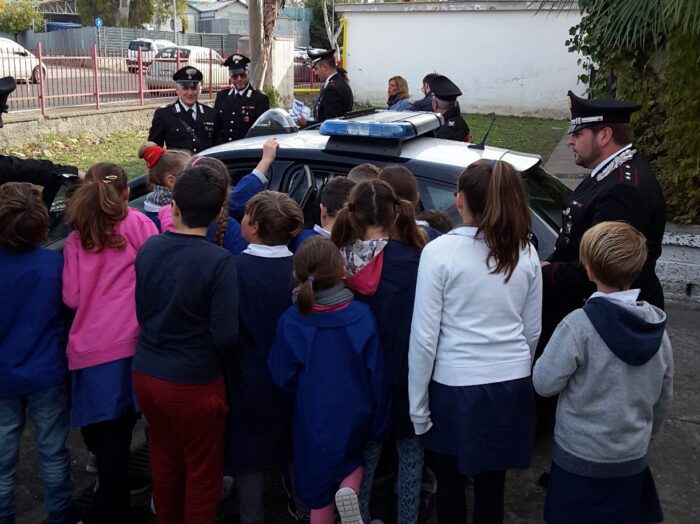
588, 112
237, 63
188, 76
444, 88
316, 55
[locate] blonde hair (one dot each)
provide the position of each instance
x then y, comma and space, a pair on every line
402, 85
615, 252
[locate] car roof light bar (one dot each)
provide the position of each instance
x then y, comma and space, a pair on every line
385, 124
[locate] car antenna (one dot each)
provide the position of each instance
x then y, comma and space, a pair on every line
481, 144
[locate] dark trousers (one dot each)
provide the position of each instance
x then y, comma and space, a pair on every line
451, 499
110, 441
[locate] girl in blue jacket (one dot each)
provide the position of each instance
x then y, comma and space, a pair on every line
327, 352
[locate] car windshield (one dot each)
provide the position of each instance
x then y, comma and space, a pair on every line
547, 195
134, 46
171, 52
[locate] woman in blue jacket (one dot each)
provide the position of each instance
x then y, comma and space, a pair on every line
398, 99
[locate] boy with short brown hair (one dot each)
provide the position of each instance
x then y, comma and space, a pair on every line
611, 364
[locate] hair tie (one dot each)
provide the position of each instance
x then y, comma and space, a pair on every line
195, 161
109, 179
311, 279
152, 155
493, 163
397, 201
351, 206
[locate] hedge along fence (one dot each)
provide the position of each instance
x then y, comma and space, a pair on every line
663, 74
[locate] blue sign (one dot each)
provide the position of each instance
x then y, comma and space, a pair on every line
99, 22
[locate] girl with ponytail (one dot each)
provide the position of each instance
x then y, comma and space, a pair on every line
327, 352
380, 244
163, 167
99, 283
475, 327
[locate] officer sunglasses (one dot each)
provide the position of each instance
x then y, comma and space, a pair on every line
239, 75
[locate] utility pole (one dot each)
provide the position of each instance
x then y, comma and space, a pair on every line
255, 35
175, 22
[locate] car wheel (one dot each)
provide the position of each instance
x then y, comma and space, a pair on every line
35, 75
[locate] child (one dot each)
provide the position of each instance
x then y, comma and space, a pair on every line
363, 173
476, 322
252, 183
163, 166
98, 282
327, 352
33, 369
334, 196
258, 426
186, 303
380, 244
437, 220
404, 184
611, 364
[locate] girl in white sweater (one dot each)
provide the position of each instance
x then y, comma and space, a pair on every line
476, 322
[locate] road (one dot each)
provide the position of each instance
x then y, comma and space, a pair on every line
674, 455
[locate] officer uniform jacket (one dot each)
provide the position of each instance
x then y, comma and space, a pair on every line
174, 128
424, 104
629, 193
454, 128
235, 114
334, 100
40, 172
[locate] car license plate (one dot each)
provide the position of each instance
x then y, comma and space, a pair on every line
165, 73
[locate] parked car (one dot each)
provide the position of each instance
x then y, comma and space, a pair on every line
149, 49
308, 159
166, 62
16, 61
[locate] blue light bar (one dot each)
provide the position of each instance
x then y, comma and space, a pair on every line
396, 130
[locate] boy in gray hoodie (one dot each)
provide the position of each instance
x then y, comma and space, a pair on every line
611, 364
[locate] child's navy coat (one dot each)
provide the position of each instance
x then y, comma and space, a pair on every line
259, 411
334, 363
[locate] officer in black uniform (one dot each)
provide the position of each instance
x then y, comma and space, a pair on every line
237, 108
620, 187
335, 98
184, 124
40, 172
445, 94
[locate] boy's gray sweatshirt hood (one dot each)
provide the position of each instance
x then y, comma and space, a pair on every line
632, 338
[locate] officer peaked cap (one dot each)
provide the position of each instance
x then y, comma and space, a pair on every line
444, 88
588, 112
316, 55
7, 85
237, 63
188, 76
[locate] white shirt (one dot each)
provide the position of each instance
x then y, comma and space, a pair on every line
469, 327
628, 296
604, 163
261, 250
325, 84
186, 108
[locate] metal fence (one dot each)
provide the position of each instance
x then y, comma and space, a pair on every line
70, 78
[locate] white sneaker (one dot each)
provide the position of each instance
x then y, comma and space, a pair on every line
348, 506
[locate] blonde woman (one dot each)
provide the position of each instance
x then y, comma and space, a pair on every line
398, 95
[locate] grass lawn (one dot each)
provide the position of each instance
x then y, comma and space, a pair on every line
526, 134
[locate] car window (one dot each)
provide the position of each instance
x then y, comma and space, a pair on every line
438, 196
171, 52
547, 195
145, 46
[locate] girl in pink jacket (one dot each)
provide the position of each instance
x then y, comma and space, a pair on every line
99, 283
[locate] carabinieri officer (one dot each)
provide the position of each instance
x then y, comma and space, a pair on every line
445, 93
621, 187
335, 98
184, 124
237, 108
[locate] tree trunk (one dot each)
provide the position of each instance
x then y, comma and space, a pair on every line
255, 21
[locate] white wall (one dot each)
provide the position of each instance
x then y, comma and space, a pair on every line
509, 61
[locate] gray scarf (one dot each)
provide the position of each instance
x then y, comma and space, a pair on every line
160, 196
333, 296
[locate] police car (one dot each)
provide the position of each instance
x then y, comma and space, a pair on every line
308, 159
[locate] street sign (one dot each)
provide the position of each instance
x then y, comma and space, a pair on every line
99, 22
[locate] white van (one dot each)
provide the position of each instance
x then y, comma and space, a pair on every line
149, 49
16, 61
160, 74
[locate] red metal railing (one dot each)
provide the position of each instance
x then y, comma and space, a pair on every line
73, 78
